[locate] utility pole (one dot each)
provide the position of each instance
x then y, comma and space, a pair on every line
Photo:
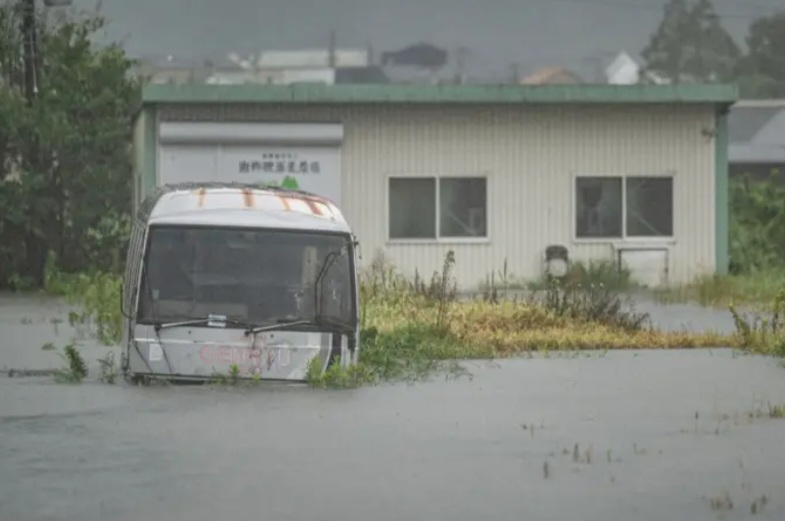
515, 74
331, 50
30, 39
461, 54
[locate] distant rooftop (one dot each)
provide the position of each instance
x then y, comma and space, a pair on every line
551, 76
756, 131
306, 58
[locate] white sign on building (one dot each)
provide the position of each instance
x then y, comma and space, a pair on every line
298, 156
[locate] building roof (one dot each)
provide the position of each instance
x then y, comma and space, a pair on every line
454, 94
756, 132
550, 76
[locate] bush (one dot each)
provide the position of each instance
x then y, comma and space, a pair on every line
97, 295
567, 317
763, 334
598, 273
756, 289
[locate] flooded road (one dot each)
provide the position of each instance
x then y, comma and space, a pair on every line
629, 435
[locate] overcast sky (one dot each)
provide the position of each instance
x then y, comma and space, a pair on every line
533, 33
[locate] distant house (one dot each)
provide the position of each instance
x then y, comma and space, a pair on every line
267, 68
293, 66
171, 69
551, 76
624, 69
756, 138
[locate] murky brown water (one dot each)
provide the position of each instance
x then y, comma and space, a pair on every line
460, 450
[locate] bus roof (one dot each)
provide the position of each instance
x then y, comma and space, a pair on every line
246, 206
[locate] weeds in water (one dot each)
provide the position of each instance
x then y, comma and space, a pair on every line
721, 502
719, 290
108, 368
775, 412
75, 369
598, 272
233, 378
338, 377
594, 303
409, 353
758, 504
412, 329
97, 295
497, 284
234, 374
763, 334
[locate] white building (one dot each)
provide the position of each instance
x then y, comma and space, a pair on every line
626, 70
496, 173
266, 67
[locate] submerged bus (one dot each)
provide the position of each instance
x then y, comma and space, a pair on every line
230, 278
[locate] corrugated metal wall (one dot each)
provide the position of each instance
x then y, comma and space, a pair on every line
530, 155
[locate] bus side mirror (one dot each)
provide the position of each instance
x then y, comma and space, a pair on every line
358, 249
125, 313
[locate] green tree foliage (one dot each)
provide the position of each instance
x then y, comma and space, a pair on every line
762, 70
65, 160
757, 227
691, 45
665, 55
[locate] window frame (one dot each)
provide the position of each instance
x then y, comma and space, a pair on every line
437, 208
665, 239
354, 286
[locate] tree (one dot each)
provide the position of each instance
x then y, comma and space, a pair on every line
65, 160
714, 53
665, 54
691, 45
762, 70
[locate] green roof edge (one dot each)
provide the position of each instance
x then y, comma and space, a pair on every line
723, 94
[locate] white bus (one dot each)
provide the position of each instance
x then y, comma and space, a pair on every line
241, 279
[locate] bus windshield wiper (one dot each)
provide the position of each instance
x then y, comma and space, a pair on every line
318, 321
219, 321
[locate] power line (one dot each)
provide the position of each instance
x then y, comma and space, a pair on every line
763, 11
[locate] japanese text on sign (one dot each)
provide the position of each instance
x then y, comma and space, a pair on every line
275, 163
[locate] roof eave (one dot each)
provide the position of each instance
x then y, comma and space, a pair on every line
724, 95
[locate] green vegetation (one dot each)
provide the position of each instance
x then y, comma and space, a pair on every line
755, 289
757, 250
75, 369
65, 158
763, 333
691, 45
413, 329
594, 273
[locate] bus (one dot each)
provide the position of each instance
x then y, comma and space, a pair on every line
247, 280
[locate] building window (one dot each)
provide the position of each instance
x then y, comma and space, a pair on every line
438, 207
621, 207
649, 207
412, 213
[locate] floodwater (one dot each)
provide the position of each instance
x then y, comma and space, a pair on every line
628, 435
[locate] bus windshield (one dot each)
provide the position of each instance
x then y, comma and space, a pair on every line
249, 275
